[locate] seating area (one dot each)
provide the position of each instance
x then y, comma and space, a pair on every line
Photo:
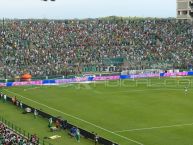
57, 47
9, 137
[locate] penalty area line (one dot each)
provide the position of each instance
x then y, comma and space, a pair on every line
77, 118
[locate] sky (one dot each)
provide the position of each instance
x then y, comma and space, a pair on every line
71, 9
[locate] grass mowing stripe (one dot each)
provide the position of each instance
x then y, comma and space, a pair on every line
77, 118
158, 127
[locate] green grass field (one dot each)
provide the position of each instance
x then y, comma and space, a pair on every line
129, 112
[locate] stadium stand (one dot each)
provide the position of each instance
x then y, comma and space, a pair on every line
49, 47
9, 137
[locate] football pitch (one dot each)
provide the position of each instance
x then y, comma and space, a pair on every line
129, 112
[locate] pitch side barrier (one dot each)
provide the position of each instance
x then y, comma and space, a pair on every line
152, 75
92, 78
67, 125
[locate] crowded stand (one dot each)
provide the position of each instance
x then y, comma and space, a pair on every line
50, 47
9, 137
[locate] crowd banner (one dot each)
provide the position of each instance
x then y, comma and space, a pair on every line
65, 81
125, 76
73, 80
2, 84
190, 73
104, 78
150, 75
174, 74
39, 82
48, 82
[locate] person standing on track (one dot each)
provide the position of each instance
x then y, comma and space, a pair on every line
96, 139
4, 98
50, 122
35, 113
186, 90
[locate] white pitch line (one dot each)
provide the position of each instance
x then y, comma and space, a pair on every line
157, 127
158, 89
77, 118
31, 88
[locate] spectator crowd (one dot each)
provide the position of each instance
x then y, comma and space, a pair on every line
8, 137
50, 47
